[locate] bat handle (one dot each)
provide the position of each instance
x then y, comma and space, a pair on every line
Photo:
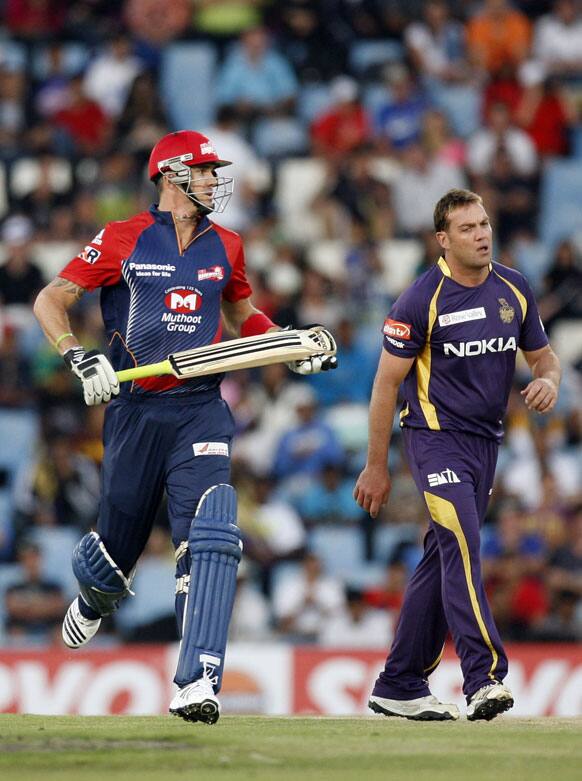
151, 370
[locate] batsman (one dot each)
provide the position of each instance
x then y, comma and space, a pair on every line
169, 277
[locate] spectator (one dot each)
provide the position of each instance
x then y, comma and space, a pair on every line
156, 24
51, 93
344, 126
416, 187
437, 44
302, 601
248, 171
255, 78
558, 40
390, 593
251, 614
399, 121
34, 605
12, 111
562, 286
109, 76
304, 449
500, 132
34, 19
439, 141
357, 625
498, 35
86, 127
329, 499
143, 119
545, 111
20, 278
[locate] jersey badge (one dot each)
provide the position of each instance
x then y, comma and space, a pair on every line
397, 329
90, 255
506, 312
214, 273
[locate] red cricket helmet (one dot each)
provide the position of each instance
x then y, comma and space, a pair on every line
185, 147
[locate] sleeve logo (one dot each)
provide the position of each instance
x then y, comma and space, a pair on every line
397, 329
90, 254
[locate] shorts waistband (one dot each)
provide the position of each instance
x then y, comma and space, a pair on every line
160, 398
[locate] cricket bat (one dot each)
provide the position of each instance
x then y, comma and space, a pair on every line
244, 353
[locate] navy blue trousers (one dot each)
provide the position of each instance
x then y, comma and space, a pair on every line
150, 446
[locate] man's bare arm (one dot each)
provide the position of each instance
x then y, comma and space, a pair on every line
541, 393
51, 307
373, 485
236, 312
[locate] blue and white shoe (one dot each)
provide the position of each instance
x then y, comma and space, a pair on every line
427, 708
78, 630
196, 702
489, 701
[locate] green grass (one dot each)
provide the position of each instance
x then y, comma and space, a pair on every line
42, 748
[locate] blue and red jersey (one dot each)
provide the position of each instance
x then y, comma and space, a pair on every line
465, 342
158, 298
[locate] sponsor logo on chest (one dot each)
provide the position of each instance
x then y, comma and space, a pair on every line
152, 269
479, 347
181, 303
478, 313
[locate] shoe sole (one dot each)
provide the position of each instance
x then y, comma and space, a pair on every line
206, 711
490, 709
427, 715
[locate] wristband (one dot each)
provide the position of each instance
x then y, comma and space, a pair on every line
61, 337
256, 324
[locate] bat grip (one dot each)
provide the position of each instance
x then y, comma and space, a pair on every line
151, 370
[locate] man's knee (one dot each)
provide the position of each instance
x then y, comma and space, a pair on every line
101, 582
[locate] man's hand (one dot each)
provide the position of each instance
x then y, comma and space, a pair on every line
99, 380
314, 365
540, 395
373, 489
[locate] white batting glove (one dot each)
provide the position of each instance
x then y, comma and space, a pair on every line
314, 365
99, 380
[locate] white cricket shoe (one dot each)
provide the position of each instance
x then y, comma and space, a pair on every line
78, 630
427, 708
196, 702
489, 701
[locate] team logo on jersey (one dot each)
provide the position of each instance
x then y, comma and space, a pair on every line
397, 329
90, 255
478, 313
210, 448
206, 149
183, 300
506, 312
214, 273
99, 237
442, 478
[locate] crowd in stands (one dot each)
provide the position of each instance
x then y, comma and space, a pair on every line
346, 121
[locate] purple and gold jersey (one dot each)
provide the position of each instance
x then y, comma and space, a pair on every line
465, 342
157, 297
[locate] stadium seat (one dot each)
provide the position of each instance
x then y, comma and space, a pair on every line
368, 58
26, 172
400, 259
280, 137
374, 97
18, 442
3, 193
186, 77
461, 104
153, 585
328, 257
75, 56
56, 545
567, 340
387, 537
350, 424
299, 181
13, 55
312, 101
341, 549
560, 198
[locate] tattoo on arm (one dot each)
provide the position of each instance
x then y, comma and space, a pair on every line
69, 287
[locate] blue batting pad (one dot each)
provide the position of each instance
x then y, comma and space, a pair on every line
215, 547
101, 583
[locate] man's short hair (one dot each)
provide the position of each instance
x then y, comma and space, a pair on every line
448, 203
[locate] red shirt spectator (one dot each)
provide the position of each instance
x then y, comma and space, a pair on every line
345, 126
84, 120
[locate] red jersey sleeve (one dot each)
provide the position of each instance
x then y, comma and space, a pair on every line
238, 286
99, 263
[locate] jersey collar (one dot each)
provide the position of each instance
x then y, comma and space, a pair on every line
444, 267
165, 218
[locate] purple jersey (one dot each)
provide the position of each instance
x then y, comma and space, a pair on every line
465, 342
158, 298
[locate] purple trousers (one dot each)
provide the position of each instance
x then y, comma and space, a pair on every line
454, 473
